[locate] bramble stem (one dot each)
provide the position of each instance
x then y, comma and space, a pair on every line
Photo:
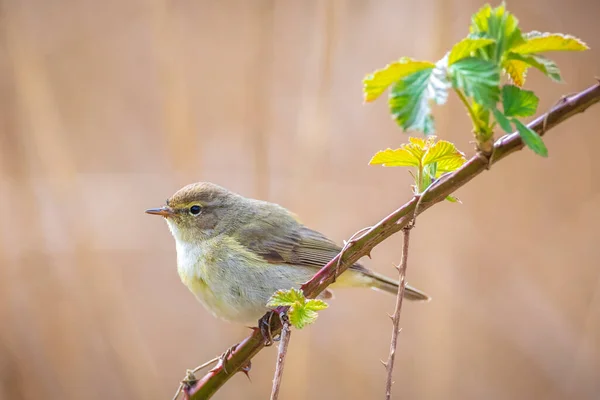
206, 387
389, 366
282, 352
472, 114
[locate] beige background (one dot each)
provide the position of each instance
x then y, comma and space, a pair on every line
107, 107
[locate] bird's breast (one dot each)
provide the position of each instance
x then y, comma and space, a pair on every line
190, 257
226, 278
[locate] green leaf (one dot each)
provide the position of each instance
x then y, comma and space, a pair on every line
479, 20
453, 199
430, 159
402, 157
538, 42
531, 138
376, 83
316, 305
408, 155
502, 121
497, 24
301, 316
543, 64
410, 98
430, 169
286, 298
517, 102
302, 311
478, 79
427, 177
417, 145
442, 155
516, 70
503, 26
466, 47
445, 156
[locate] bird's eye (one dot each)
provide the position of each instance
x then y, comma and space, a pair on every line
195, 210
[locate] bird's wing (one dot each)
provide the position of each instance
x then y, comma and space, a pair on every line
288, 241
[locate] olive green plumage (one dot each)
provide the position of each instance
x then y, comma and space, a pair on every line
233, 252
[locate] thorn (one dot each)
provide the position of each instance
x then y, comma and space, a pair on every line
368, 254
383, 362
391, 316
246, 370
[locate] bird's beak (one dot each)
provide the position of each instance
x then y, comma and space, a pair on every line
165, 211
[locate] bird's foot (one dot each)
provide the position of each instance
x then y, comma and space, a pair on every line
264, 324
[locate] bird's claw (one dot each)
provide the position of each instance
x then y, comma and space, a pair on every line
264, 324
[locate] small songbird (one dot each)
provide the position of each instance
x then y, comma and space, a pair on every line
233, 252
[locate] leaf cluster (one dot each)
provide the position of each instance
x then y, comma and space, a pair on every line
429, 159
472, 69
302, 311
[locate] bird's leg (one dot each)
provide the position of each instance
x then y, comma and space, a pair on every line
264, 324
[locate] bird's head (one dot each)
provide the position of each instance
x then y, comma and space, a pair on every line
199, 211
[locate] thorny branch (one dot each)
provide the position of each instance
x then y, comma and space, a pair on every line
389, 366
190, 376
396, 221
282, 352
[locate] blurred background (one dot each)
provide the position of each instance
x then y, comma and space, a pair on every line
108, 107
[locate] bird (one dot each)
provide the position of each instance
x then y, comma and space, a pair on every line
235, 252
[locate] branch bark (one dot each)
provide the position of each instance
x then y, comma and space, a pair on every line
282, 352
361, 246
389, 366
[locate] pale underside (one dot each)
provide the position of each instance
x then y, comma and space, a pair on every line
236, 284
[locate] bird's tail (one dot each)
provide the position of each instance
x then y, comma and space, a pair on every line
385, 284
